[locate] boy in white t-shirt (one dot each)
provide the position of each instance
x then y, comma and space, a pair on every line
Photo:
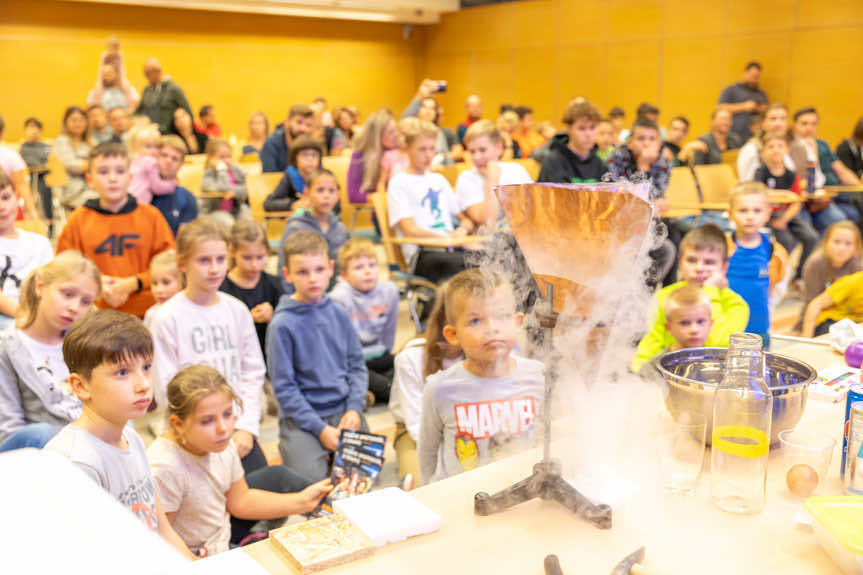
421, 204
475, 187
485, 407
20, 252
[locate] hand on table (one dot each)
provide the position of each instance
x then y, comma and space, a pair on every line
244, 441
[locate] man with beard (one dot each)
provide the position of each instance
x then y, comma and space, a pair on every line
274, 154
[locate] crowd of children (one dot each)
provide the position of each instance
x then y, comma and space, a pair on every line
192, 327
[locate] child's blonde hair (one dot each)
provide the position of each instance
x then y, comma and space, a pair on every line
414, 128
137, 136
195, 232
748, 189
248, 231
175, 142
64, 266
368, 141
355, 248
847, 225
482, 129
167, 261
770, 136
214, 145
689, 295
469, 283
191, 385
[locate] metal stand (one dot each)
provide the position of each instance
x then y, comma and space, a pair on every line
546, 481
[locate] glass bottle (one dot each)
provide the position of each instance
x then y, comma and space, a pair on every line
742, 414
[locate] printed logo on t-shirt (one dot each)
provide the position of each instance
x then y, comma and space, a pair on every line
433, 199
116, 244
371, 321
215, 347
140, 499
6, 274
467, 452
485, 419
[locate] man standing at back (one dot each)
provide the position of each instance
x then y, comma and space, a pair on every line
161, 97
743, 100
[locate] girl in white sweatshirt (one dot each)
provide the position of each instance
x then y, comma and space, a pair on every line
201, 325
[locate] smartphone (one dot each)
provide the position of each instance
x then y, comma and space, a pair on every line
441, 86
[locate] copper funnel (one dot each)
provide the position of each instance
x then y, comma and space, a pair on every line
572, 234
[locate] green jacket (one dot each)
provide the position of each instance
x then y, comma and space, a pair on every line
730, 315
159, 102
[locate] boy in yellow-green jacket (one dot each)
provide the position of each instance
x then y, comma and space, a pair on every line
703, 262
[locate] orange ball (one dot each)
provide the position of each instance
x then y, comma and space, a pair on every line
802, 479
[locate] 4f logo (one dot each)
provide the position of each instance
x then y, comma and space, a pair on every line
115, 244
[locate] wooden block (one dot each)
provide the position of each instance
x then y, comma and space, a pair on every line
321, 543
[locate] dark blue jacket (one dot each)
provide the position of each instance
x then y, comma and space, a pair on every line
274, 154
315, 362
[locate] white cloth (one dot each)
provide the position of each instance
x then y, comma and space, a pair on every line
123, 473
427, 198
150, 314
406, 395
468, 421
222, 336
20, 256
194, 487
11, 161
749, 159
470, 186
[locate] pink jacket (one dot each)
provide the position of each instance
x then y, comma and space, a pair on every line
146, 181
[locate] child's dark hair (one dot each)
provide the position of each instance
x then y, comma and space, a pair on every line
646, 109
205, 109
804, 111
304, 242
616, 112
322, 172
191, 385
108, 150
523, 111
32, 122
105, 336
74, 110
682, 119
303, 143
644, 123
705, 237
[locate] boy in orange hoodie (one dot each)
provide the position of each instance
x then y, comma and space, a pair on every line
119, 235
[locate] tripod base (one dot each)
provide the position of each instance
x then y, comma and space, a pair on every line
545, 483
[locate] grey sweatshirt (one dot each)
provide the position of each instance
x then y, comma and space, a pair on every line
28, 395
373, 314
468, 421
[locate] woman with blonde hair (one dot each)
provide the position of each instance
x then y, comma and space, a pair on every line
378, 135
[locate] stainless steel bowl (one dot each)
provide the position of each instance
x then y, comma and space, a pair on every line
691, 377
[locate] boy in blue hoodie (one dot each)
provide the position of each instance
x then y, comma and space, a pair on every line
322, 192
315, 361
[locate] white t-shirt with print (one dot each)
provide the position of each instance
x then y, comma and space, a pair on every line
20, 256
427, 198
470, 186
46, 358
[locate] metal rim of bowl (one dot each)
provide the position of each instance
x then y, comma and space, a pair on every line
694, 382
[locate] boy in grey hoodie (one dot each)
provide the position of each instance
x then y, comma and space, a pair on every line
372, 306
314, 360
322, 192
